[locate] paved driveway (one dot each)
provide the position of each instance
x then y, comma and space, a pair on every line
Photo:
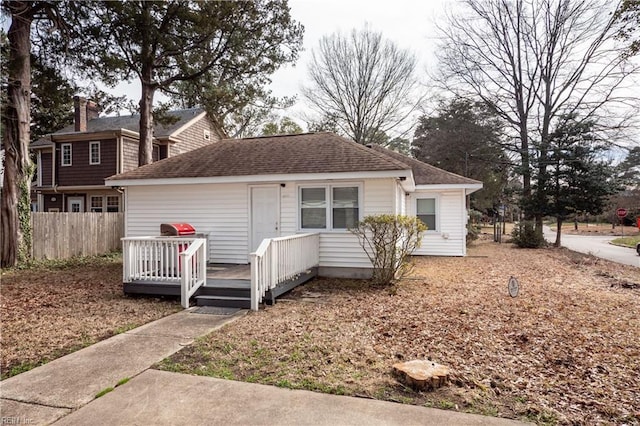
596, 245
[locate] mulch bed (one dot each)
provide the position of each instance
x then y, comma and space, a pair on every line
565, 350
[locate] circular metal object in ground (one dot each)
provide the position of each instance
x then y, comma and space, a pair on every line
513, 286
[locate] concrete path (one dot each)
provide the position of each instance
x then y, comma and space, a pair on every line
63, 391
163, 398
596, 245
46, 393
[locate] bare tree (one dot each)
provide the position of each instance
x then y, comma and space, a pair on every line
534, 62
364, 82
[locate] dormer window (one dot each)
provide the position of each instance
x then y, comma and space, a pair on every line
94, 152
65, 155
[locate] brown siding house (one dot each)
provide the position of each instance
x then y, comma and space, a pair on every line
74, 162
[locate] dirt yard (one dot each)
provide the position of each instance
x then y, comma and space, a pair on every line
48, 312
597, 229
566, 350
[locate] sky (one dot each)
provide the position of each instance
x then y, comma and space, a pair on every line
408, 23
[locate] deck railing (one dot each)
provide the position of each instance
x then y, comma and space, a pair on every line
193, 270
280, 259
178, 260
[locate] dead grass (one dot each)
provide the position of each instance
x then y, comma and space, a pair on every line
566, 350
51, 310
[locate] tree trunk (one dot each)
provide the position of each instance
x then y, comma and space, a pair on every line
558, 234
145, 150
17, 117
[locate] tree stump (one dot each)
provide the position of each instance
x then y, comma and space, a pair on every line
421, 374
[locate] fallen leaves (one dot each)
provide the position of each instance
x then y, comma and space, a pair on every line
49, 312
566, 350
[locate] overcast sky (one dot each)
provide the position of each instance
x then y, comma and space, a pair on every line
409, 23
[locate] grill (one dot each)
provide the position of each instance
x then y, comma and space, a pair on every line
176, 229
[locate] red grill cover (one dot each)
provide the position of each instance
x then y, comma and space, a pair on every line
176, 229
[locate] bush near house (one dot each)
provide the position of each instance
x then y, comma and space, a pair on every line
388, 241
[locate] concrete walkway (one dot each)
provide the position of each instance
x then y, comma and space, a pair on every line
46, 393
63, 391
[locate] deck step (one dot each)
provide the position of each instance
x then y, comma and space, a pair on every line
224, 301
224, 291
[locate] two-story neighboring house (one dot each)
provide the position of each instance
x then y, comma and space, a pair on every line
73, 162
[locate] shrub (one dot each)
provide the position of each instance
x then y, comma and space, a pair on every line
524, 236
473, 227
388, 241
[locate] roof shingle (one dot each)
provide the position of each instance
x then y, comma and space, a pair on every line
286, 154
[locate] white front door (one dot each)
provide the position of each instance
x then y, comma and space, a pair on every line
75, 204
265, 214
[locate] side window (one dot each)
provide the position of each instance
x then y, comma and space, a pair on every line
94, 152
426, 212
65, 154
313, 208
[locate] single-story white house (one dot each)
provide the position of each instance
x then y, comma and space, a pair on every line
240, 192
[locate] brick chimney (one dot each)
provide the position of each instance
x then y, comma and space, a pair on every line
80, 116
93, 111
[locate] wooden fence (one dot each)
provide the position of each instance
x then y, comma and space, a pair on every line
63, 235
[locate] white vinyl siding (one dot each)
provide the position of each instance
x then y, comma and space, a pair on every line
449, 237
218, 210
222, 211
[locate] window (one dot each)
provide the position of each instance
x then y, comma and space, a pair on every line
329, 207
66, 156
345, 207
426, 212
96, 203
113, 203
313, 208
94, 152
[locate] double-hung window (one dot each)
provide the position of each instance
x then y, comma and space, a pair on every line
65, 154
94, 152
96, 204
113, 203
329, 207
426, 209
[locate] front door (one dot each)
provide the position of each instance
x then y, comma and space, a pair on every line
75, 204
265, 214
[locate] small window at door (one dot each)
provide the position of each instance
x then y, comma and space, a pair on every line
426, 212
94, 152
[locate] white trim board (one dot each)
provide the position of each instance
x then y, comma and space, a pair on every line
275, 178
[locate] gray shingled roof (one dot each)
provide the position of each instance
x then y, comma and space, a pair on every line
132, 123
426, 174
304, 153
284, 154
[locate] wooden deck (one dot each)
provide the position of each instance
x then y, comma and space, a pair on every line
227, 286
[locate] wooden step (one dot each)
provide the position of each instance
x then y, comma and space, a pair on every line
224, 301
224, 291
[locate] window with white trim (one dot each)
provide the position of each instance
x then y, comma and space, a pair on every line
96, 203
329, 207
65, 154
426, 209
113, 203
94, 152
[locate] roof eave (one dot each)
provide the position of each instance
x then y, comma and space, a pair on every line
283, 177
468, 187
